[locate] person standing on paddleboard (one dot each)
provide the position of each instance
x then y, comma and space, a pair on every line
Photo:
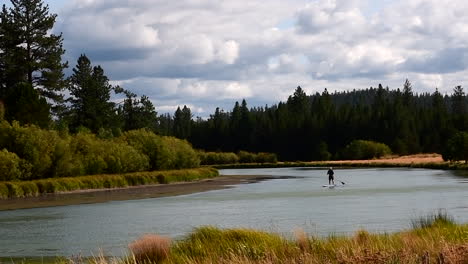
331, 179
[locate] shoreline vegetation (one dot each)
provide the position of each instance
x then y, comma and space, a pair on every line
36, 188
140, 185
435, 238
428, 161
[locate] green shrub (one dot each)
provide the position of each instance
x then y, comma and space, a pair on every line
14, 190
215, 158
148, 143
30, 189
97, 156
264, 157
363, 149
246, 157
4, 193
10, 166
65, 162
457, 148
164, 153
32, 144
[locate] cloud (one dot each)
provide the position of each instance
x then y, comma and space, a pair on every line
208, 53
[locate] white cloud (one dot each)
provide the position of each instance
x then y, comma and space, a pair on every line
208, 53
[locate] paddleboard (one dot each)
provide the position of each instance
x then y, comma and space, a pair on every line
329, 185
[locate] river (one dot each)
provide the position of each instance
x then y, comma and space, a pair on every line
378, 200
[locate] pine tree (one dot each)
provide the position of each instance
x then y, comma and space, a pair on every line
459, 109
182, 122
91, 91
138, 114
39, 53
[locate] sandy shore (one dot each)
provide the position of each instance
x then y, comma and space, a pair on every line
130, 193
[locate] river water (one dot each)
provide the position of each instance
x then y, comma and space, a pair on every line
378, 200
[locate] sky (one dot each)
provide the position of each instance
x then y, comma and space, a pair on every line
210, 53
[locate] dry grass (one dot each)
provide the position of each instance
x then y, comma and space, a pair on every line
441, 243
150, 247
410, 159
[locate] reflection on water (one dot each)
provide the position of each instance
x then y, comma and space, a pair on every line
379, 200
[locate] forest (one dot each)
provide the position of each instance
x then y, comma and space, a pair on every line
35, 91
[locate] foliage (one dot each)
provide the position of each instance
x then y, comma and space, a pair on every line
90, 101
136, 113
31, 55
164, 152
211, 158
30, 152
32, 144
457, 148
182, 122
220, 158
10, 166
363, 149
320, 125
224, 244
97, 156
441, 218
17, 189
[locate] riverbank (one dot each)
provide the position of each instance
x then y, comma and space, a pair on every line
432, 239
428, 161
128, 193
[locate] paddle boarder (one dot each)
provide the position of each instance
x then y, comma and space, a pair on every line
331, 179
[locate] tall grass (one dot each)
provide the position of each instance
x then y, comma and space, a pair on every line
20, 189
150, 248
445, 242
441, 218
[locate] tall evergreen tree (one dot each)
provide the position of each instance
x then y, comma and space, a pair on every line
38, 53
182, 122
459, 109
91, 91
138, 113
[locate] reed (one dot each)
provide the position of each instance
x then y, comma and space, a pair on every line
21, 189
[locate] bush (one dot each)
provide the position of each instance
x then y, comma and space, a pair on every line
457, 148
3, 191
164, 153
150, 248
216, 158
264, 157
97, 156
10, 166
14, 190
29, 189
363, 149
246, 157
32, 144
33, 153
148, 143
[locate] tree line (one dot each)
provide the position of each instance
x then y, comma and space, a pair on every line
320, 126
